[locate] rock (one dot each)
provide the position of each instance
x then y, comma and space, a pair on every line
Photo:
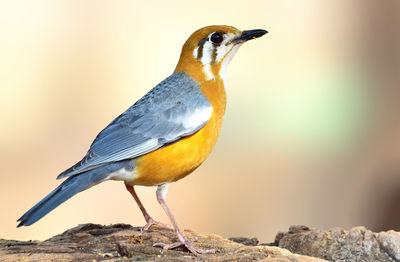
120, 242
245, 241
357, 244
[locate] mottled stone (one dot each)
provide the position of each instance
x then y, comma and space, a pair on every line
340, 245
120, 242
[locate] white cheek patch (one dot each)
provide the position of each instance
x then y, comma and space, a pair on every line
222, 51
224, 48
227, 60
208, 50
196, 52
211, 53
206, 59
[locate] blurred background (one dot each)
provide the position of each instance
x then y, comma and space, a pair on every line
311, 134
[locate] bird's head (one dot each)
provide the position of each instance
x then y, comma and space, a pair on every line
208, 51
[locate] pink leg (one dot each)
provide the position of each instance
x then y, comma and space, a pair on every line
161, 195
147, 217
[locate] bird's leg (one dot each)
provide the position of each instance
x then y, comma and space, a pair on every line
162, 191
149, 221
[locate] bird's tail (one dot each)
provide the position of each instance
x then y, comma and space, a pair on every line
66, 190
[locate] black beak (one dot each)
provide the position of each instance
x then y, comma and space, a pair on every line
250, 34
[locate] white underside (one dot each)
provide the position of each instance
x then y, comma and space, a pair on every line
123, 175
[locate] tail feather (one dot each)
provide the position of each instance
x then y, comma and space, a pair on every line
66, 190
63, 192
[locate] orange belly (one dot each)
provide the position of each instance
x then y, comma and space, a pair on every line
175, 161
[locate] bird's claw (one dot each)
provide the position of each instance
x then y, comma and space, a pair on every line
188, 244
151, 222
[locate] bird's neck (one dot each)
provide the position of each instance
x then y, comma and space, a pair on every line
195, 69
212, 87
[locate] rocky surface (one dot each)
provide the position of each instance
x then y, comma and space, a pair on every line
120, 242
357, 244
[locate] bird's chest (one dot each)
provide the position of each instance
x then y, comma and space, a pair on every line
179, 159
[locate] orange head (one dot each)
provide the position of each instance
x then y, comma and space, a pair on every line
208, 51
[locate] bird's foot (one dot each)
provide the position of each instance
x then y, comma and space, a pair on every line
150, 222
188, 244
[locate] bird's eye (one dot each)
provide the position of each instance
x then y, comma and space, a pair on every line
217, 38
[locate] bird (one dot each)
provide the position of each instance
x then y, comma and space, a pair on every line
165, 135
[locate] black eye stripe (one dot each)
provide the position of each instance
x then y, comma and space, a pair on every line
200, 48
214, 54
202, 41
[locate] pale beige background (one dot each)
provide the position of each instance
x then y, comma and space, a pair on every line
310, 134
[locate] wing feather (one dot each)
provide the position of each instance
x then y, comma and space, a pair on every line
173, 109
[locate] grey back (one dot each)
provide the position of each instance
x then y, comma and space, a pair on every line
173, 109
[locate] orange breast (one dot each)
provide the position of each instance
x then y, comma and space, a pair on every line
179, 159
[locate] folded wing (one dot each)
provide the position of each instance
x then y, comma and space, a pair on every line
173, 109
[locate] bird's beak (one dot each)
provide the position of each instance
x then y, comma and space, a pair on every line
248, 35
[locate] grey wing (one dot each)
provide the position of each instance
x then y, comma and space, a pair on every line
173, 109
